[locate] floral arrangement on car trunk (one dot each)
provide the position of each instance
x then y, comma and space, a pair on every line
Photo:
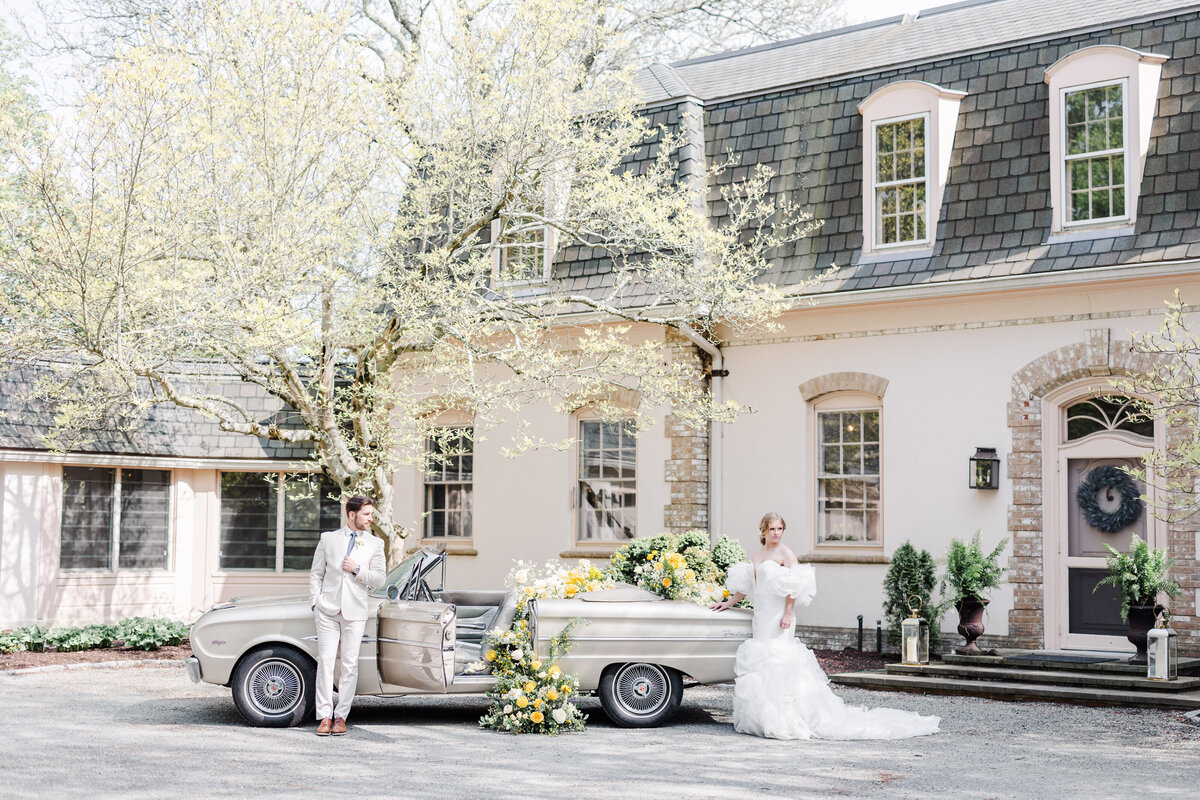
532, 695
678, 567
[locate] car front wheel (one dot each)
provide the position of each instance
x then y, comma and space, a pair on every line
275, 687
640, 695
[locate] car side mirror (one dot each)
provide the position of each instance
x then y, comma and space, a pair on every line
393, 592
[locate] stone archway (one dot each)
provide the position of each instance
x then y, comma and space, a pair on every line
1098, 355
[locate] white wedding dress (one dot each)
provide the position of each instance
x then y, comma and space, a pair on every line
780, 691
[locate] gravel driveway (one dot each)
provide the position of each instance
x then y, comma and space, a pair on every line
148, 731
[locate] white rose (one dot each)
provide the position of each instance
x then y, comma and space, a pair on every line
542, 674
518, 654
521, 576
559, 715
508, 709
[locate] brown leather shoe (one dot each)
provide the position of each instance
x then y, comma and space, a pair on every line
339, 727
326, 724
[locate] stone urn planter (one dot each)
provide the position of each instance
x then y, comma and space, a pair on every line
970, 625
1141, 620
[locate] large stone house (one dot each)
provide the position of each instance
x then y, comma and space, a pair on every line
1008, 189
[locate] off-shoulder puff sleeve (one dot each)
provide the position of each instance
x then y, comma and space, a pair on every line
740, 578
798, 581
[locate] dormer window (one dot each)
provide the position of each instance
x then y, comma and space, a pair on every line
901, 182
523, 256
1101, 109
908, 140
1095, 153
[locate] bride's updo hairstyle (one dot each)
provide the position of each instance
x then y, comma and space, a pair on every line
765, 523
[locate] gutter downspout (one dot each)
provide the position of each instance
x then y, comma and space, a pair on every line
715, 430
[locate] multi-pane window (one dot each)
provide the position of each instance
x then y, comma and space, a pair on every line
449, 483
115, 517
1095, 153
607, 481
523, 255
272, 521
900, 182
848, 477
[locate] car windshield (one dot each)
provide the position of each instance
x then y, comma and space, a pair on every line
399, 574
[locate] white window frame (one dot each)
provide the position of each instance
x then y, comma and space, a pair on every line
549, 241
114, 523
877, 185
1126, 214
576, 507
897, 102
832, 403
426, 483
280, 521
1088, 68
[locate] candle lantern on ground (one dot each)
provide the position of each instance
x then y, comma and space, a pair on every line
1162, 655
914, 635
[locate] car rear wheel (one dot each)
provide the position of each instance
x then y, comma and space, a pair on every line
640, 695
275, 687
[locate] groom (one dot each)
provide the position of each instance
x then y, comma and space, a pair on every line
345, 563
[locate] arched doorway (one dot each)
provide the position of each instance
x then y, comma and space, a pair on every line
1086, 427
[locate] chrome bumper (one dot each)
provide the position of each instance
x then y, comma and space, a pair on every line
192, 665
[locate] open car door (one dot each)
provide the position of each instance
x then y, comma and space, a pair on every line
416, 644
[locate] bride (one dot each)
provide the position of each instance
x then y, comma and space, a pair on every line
780, 691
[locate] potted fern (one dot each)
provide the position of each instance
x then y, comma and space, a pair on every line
1139, 576
970, 574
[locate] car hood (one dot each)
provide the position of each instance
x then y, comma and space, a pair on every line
265, 600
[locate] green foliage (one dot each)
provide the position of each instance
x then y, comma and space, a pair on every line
727, 552
139, 633
30, 637
627, 558
911, 573
1139, 575
970, 573
145, 633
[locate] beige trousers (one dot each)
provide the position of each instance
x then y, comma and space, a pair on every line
332, 631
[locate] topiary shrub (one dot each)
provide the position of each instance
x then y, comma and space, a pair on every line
911, 572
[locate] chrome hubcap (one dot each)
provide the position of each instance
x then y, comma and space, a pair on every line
642, 689
274, 687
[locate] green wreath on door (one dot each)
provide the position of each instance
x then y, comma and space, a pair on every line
1109, 478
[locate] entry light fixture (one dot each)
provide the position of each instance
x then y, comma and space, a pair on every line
985, 469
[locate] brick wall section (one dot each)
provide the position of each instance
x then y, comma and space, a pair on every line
1097, 355
686, 470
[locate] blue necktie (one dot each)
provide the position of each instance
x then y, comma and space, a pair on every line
353, 539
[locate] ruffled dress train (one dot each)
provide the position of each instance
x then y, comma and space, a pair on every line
780, 690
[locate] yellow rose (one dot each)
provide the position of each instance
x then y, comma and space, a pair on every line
537, 703
522, 701
666, 581
524, 624
551, 694
571, 590
725, 593
536, 665
536, 717
491, 655
530, 686
675, 560
566, 687
554, 672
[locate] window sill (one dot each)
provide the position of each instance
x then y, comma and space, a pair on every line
1105, 230
924, 250
590, 552
843, 558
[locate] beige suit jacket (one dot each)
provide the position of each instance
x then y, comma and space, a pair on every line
334, 590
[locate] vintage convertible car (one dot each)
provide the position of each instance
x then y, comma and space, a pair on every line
633, 650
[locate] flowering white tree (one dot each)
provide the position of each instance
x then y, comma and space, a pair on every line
243, 191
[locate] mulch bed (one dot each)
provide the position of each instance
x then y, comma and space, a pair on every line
27, 659
832, 661
848, 660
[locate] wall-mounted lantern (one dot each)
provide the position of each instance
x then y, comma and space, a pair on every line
985, 469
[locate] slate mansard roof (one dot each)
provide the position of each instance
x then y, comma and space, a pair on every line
162, 430
794, 107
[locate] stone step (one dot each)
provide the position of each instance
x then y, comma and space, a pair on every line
1099, 680
1042, 661
1012, 690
